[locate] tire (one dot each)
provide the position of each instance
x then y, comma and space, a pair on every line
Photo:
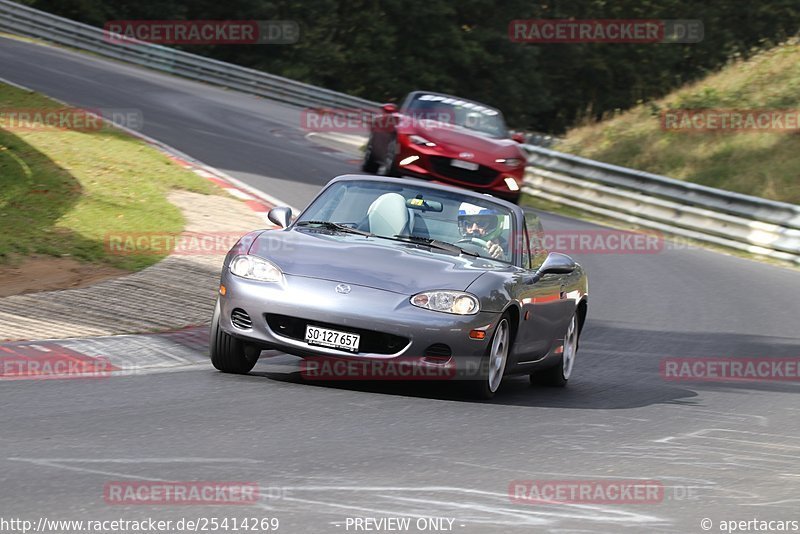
491, 376
389, 167
559, 374
369, 164
229, 354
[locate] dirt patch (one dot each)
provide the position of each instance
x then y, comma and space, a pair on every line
48, 273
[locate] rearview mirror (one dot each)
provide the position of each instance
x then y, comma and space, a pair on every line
389, 108
518, 137
281, 216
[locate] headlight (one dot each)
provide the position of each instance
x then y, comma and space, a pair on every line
419, 140
255, 268
455, 302
509, 162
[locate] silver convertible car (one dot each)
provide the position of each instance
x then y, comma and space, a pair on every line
381, 270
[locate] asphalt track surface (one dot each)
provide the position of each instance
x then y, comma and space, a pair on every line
323, 453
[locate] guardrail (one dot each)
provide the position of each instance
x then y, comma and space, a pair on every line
711, 215
26, 21
742, 222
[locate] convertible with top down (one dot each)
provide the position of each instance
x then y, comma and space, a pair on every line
384, 269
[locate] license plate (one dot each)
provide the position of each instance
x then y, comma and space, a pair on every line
332, 338
460, 163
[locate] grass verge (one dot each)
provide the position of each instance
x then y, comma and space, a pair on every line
756, 163
62, 191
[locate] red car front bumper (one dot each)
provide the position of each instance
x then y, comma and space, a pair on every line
434, 163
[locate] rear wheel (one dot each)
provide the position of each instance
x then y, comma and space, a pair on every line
493, 365
558, 375
369, 164
229, 354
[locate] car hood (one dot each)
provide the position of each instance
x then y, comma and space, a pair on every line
372, 262
462, 139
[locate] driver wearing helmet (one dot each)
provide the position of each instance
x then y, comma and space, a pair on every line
484, 225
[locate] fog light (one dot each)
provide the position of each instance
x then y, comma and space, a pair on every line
477, 334
511, 183
408, 160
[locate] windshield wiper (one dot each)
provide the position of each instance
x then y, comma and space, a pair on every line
435, 243
334, 226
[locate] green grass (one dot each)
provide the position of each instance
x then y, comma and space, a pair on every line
63, 191
754, 163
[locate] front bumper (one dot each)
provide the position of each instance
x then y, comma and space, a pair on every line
431, 165
364, 308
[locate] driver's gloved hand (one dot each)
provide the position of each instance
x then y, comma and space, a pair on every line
495, 251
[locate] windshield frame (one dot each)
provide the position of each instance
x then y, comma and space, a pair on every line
515, 228
406, 109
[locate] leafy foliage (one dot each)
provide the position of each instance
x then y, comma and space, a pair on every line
382, 49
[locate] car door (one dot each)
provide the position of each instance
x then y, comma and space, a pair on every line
545, 308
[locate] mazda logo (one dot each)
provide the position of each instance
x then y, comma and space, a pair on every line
344, 289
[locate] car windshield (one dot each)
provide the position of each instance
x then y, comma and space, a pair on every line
415, 214
451, 110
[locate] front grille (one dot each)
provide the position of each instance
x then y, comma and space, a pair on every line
371, 341
240, 319
483, 176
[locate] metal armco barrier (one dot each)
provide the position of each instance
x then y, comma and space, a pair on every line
710, 215
22, 20
743, 222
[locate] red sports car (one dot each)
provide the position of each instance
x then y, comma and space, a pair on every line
447, 139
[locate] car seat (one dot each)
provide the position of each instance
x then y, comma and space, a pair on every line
388, 215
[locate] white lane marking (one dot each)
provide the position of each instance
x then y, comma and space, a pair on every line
510, 516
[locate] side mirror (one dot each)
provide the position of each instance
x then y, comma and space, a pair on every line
518, 137
555, 263
389, 108
281, 216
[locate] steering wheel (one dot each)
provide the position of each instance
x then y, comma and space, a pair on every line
474, 241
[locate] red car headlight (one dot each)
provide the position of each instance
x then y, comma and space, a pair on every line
510, 162
421, 141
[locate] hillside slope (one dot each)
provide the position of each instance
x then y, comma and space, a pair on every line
754, 162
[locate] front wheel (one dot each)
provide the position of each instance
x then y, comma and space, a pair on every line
369, 164
559, 374
389, 167
229, 354
493, 365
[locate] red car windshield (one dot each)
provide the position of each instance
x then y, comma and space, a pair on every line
463, 113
